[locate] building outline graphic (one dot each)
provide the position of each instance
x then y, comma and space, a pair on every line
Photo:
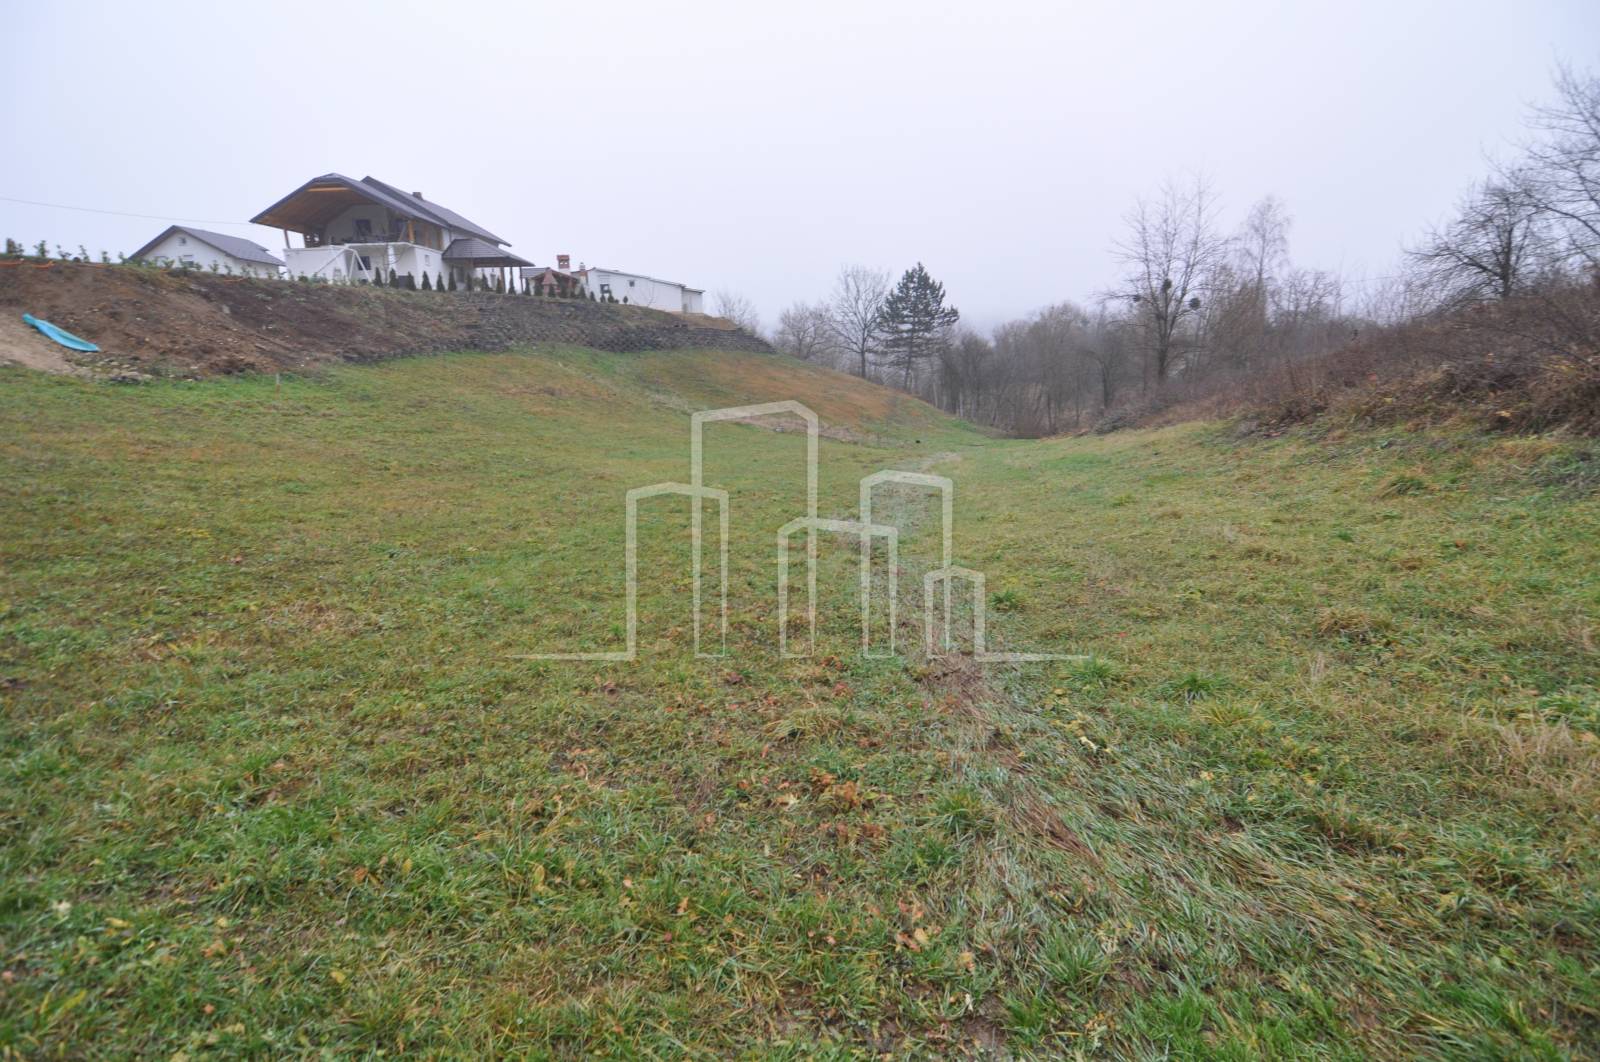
866, 530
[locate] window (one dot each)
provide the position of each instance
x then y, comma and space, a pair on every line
366, 262
605, 290
183, 241
630, 283
363, 227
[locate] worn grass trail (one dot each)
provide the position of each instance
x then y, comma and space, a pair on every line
275, 779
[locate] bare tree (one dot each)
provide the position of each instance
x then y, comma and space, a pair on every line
738, 309
1563, 170
856, 311
1171, 251
1263, 241
1491, 248
1239, 321
965, 365
805, 331
1106, 351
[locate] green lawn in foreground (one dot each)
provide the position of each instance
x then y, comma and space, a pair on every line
274, 780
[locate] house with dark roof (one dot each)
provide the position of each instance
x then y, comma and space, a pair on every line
365, 230
199, 249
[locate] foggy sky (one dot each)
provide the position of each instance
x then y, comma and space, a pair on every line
758, 146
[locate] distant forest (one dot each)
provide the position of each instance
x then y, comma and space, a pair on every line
1199, 313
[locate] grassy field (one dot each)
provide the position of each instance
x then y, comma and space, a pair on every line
277, 779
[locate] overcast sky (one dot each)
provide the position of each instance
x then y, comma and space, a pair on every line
757, 146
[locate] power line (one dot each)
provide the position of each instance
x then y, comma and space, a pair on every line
121, 213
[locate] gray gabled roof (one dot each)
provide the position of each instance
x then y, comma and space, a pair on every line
472, 249
448, 218
236, 246
402, 203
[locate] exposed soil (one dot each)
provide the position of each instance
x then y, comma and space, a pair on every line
200, 324
21, 344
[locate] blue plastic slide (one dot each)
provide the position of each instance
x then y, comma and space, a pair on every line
66, 339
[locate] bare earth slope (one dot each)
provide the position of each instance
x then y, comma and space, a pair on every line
201, 324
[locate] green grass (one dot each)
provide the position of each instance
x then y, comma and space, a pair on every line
275, 777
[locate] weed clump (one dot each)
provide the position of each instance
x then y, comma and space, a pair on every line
1353, 625
1191, 687
1402, 485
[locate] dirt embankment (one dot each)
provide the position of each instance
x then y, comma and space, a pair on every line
200, 324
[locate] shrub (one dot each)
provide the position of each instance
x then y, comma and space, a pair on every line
427, 285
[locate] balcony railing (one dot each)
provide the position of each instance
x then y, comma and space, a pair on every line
372, 238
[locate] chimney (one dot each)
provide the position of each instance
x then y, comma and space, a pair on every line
563, 261
417, 194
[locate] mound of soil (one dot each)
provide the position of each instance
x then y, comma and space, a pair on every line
200, 324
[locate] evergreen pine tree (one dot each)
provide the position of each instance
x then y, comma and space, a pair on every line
500, 283
427, 285
915, 321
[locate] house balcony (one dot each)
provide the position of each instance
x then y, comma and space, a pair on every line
365, 239
366, 260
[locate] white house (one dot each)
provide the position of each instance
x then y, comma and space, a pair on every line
640, 290
368, 230
199, 249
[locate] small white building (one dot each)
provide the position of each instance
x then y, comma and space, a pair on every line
180, 245
367, 230
639, 290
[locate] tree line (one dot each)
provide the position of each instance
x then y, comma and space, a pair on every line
1198, 306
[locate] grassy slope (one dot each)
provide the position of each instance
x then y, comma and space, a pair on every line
274, 779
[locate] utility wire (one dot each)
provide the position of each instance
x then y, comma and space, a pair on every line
121, 213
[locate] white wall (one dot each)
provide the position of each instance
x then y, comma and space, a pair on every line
644, 291
180, 247
342, 263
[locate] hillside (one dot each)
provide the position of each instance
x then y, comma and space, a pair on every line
198, 324
279, 778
